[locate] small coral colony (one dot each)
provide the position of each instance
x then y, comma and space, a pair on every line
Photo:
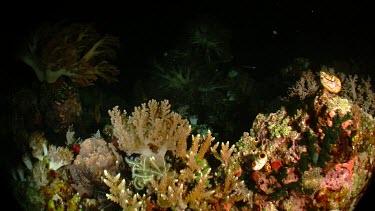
315, 152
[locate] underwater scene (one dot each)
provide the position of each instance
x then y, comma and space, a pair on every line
195, 110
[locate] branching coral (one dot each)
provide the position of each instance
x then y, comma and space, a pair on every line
122, 195
359, 90
306, 86
233, 189
74, 50
151, 131
196, 175
189, 185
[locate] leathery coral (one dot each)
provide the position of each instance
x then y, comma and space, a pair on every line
94, 156
75, 50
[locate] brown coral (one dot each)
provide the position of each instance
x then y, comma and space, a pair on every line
74, 50
95, 156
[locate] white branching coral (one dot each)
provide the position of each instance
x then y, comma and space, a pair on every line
233, 189
151, 130
122, 195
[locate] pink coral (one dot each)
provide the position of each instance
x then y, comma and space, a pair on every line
267, 184
95, 156
336, 179
291, 176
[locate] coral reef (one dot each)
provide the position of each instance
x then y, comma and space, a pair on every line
316, 148
317, 154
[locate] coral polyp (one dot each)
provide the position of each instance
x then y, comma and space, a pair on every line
260, 161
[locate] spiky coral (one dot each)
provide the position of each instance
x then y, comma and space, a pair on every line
122, 195
188, 185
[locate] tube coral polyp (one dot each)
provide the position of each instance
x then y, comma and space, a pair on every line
260, 161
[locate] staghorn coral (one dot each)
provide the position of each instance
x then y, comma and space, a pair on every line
151, 130
190, 184
122, 195
75, 50
233, 189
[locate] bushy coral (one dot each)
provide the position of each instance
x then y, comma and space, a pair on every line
75, 50
59, 156
151, 130
56, 157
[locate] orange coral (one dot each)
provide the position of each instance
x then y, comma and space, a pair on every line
349, 165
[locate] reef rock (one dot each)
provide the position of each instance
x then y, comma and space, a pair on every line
315, 153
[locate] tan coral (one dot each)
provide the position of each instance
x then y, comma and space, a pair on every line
151, 130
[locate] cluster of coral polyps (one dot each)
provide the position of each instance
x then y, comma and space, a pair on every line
318, 157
